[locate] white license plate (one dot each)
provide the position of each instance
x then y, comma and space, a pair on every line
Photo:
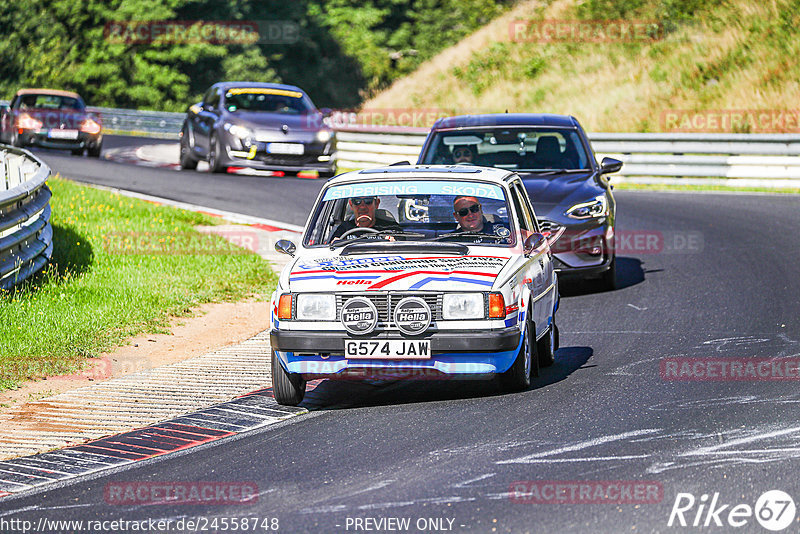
296, 149
387, 349
63, 134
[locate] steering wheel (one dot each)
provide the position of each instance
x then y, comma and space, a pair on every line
358, 229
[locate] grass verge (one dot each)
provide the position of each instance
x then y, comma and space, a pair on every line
121, 267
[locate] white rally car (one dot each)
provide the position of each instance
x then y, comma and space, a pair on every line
416, 271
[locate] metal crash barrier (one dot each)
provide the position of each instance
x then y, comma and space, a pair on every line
679, 155
26, 236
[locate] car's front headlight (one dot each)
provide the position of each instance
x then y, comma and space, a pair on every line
316, 307
323, 136
462, 306
597, 207
239, 131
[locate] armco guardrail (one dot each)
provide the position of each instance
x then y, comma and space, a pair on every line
128, 121
765, 156
762, 156
26, 236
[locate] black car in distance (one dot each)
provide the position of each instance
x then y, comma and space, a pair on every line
567, 186
261, 126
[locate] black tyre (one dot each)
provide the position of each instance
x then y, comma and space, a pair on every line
214, 150
187, 158
526, 364
15, 140
546, 347
77, 152
608, 282
94, 152
288, 388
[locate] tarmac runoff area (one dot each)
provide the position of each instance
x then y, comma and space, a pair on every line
151, 412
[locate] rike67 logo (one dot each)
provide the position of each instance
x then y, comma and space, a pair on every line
774, 510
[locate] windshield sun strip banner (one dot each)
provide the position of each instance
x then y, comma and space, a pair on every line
421, 187
262, 91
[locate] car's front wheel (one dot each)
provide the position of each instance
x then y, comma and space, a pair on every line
608, 281
94, 151
214, 153
288, 388
15, 139
546, 347
526, 364
187, 160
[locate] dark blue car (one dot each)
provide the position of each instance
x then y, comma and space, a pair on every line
262, 126
567, 186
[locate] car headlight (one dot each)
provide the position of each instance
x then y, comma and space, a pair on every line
90, 126
27, 122
323, 136
462, 306
316, 307
239, 131
597, 207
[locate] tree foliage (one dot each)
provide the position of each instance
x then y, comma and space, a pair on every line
341, 51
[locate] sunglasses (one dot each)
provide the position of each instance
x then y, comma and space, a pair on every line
475, 208
460, 152
358, 201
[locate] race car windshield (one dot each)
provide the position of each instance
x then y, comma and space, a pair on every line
418, 211
267, 101
50, 102
518, 149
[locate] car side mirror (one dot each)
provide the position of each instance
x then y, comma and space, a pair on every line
284, 246
609, 165
533, 242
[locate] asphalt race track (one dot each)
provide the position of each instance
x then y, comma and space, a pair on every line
291, 197
711, 276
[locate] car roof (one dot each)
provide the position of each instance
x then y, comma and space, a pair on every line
54, 92
506, 119
259, 85
416, 172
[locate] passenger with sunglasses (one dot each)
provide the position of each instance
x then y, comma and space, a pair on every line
364, 210
469, 216
463, 154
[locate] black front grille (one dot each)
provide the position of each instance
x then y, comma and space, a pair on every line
288, 159
385, 303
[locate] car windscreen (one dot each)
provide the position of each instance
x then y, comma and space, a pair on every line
45, 101
420, 211
518, 149
279, 101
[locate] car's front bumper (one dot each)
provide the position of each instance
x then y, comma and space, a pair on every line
41, 138
584, 250
452, 353
317, 158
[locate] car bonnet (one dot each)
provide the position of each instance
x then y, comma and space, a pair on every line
398, 272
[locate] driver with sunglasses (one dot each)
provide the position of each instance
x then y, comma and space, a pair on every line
364, 216
469, 216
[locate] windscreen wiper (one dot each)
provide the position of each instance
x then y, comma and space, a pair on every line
371, 235
555, 171
468, 235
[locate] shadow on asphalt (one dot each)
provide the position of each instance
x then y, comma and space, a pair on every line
629, 273
343, 394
